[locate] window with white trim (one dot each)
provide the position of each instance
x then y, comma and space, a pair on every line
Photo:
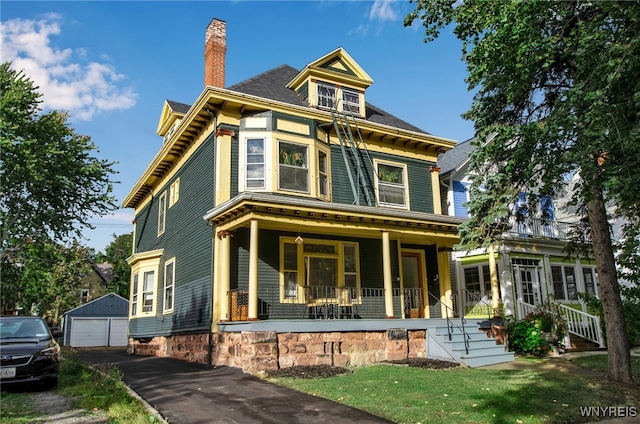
323, 174
293, 171
162, 211
148, 291
391, 181
351, 101
174, 192
255, 162
326, 95
564, 282
134, 295
169, 284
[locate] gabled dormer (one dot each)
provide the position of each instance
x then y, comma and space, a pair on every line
333, 82
172, 114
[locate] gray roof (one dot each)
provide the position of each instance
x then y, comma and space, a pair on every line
179, 107
451, 159
104, 270
273, 85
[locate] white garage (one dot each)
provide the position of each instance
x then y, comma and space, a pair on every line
99, 323
87, 332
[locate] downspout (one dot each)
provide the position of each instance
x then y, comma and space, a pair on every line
213, 246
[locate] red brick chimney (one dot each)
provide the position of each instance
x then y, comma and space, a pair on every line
215, 48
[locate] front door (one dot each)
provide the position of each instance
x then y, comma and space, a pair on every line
528, 285
413, 284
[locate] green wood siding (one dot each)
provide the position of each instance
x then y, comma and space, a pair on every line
188, 239
419, 176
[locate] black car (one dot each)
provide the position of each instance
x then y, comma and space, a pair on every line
28, 352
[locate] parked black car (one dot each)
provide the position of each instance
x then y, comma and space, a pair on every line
28, 352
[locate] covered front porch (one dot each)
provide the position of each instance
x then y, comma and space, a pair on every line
277, 257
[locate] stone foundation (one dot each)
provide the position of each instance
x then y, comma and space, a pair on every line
268, 350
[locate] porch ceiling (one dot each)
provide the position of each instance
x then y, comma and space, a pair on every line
284, 214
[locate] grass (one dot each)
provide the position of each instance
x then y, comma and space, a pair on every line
464, 395
86, 388
598, 362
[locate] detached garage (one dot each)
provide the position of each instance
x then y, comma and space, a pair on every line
101, 322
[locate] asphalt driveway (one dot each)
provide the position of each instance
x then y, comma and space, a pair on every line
189, 393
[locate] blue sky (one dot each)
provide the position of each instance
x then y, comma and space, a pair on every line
113, 63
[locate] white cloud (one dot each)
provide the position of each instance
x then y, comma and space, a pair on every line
383, 11
66, 79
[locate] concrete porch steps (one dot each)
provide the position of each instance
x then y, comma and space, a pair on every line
482, 351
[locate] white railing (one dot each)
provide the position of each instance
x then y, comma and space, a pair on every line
525, 309
579, 323
582, 324
537, 227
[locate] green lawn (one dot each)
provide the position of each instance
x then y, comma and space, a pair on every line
463, 395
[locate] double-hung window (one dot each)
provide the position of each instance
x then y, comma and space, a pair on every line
351, 101
134, 295
290, 270
148, 290
326, 95
162, 210
392, 185
255, 163
293, 171
174, 192
564, 282
323, 174
169, 284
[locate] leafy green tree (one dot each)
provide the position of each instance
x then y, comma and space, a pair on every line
116, 253
51, 184
557, 94
45, 280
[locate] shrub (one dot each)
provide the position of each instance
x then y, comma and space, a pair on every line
526, 336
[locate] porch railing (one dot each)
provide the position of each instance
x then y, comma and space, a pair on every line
326, 302
544, 228
579, 323
583, 325
524, 309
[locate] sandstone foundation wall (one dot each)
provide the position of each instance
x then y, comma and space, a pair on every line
268, 350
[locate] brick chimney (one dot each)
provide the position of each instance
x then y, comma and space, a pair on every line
215, 48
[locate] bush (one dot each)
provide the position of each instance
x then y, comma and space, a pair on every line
526, 336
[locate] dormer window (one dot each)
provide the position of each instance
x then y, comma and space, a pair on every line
326, 95
351, 101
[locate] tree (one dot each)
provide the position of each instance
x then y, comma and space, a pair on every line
116, 253
45, 278
50, 182
558, 91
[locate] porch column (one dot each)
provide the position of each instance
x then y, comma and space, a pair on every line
225, 274
253, 272
386, 273
444, 280
493, 274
